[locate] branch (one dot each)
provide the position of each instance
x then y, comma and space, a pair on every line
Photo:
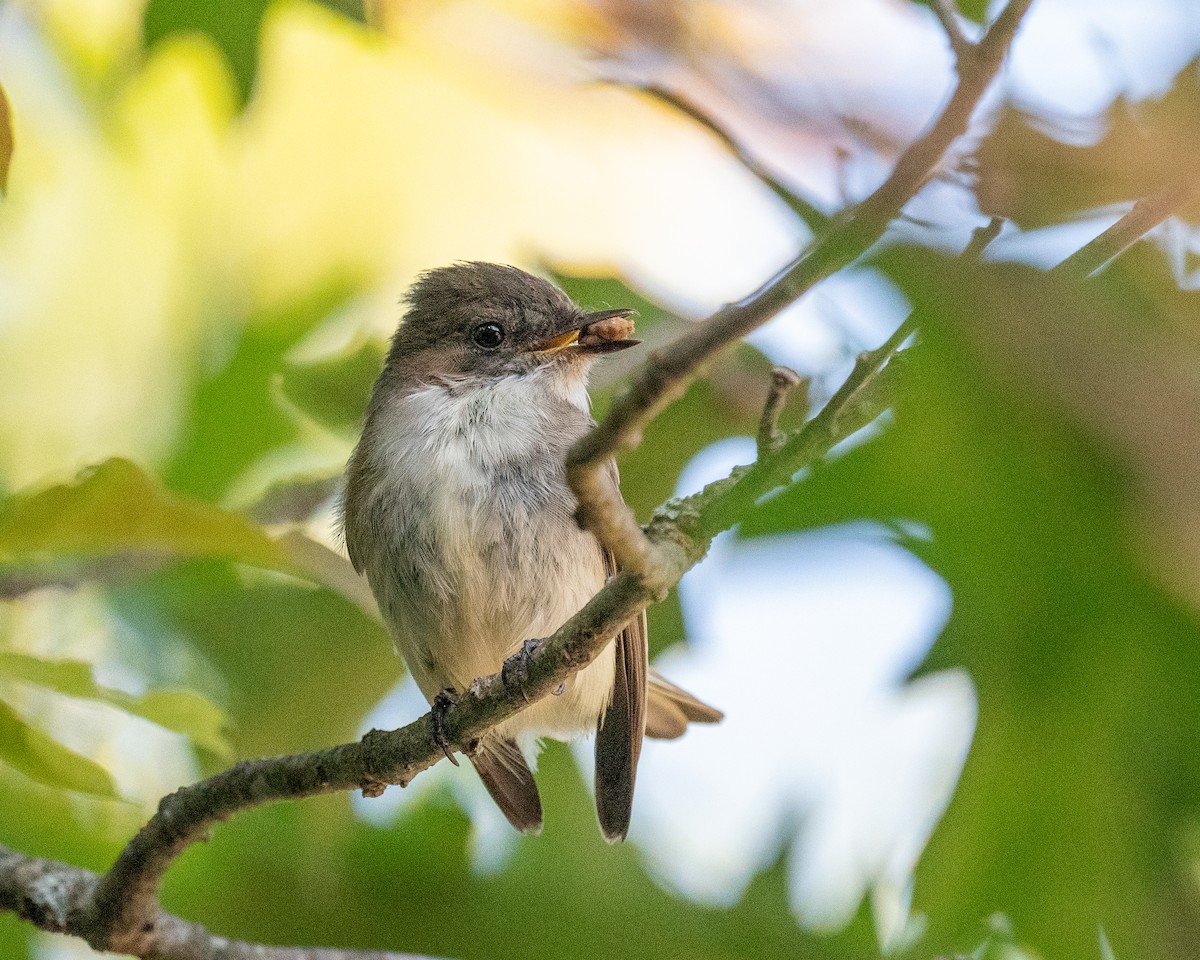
1146, 214
54, 896
870, 388
783, 382
981, 239
862, 397
119, 911
947, 14
812, 216
668, 372
122, 914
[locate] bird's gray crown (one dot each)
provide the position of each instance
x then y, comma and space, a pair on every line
483, 319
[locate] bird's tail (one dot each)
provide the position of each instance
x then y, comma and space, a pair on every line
502, 768
670, 709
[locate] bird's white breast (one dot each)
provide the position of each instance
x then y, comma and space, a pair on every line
478, 549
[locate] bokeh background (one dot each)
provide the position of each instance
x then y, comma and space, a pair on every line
960, 659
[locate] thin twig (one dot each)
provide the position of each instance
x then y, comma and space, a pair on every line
948, 16
981, 239
812, 216
783, 382
668, 372
1146, 214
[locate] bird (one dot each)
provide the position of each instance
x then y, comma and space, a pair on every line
456, 508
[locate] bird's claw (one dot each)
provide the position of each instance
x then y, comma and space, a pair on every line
516, 667
437, 713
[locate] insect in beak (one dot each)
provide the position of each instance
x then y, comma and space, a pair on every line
605, 331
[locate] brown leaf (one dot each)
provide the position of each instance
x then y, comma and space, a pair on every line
1037, 172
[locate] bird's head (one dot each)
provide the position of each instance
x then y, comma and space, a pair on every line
489, 321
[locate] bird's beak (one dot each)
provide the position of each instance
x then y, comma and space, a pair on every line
581, 339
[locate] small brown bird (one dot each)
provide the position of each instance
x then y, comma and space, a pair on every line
458, 511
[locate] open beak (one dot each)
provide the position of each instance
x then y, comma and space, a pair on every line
569, 339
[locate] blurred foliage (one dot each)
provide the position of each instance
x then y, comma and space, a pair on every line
1018, 454
232, 25
96, 515
25, 748
6, 140
1037, 170
183, 711
234, 417
195, 304
334, 390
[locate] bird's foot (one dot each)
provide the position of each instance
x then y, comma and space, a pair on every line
516, 667
437, 713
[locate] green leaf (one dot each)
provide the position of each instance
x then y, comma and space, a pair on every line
334, 391
6, 140
232, 25
118, 512
40, 758
183, 711
235, 418
300, 667
117, 507
330, 568
189, 713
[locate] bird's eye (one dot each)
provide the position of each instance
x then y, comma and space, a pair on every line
488, 335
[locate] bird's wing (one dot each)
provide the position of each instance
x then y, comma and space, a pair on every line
623, 724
